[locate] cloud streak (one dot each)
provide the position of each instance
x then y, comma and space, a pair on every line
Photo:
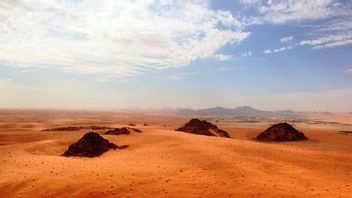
283, 11
246, 54
222, 57
334, 16
181, 76
269, 51
110, 37
336, 33
286, 39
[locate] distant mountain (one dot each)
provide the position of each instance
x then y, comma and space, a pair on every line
246, 111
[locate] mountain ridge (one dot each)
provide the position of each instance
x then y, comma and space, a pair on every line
247, 111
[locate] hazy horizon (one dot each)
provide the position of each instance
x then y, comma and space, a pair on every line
161, 109
88, 54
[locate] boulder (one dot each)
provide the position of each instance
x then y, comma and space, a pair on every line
69, 128
90, 145
202, 127
122, 131
280, 133
118, 131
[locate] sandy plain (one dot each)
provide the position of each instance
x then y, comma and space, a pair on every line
161, 162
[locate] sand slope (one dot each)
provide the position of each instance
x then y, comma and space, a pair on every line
164, 163
160, 163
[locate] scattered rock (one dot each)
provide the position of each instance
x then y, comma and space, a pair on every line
121, 131
131, 124
145, 124
202, 127
69, 128
134, 129
77, 128
90, 145
345, 132
118, 131
280, 133
99, 127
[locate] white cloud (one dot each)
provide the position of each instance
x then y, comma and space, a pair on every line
286, 39
222, 57
335, 33
283, 11
246, 54
251, 2
342, 24
112, 37
334, 44
322, 40
181, 76
269, 51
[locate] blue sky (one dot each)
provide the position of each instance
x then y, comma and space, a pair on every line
176, 53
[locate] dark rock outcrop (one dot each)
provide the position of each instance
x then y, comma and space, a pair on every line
122, 131
281, 132
69, 128
90, 145
99, 127
77, 128
202, 127
134, 129
118, 131
345, 132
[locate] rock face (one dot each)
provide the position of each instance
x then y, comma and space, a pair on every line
90, 145
281, 132
121, 131
202, 127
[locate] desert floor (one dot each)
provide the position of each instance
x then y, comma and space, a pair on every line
160, 162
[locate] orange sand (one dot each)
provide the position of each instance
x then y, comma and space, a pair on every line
163, 163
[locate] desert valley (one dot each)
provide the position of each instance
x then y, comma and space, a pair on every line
176, 98
152, 159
